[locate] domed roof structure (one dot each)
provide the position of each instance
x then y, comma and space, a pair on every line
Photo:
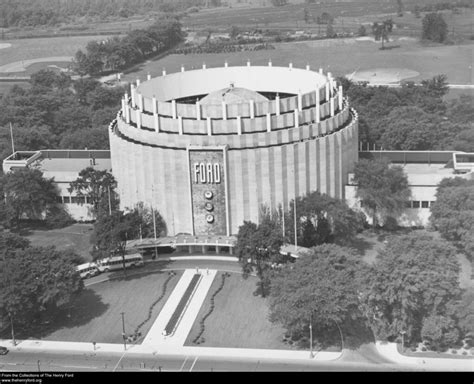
232, 95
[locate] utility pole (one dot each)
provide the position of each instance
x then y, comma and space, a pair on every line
154, 219
123, 331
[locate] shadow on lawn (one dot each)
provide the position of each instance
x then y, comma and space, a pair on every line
87, 306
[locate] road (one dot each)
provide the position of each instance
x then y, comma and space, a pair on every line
25, 361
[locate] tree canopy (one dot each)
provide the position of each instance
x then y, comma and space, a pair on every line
322, 219
414, 277
382, 189
258, 247
382, 30
452, 214
27, 195
322, 285
34, 281
434, 27
53, 115
99, 187
118, 53
112, 231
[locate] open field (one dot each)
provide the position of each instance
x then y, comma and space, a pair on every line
75, 237
95, 315
239, 319
339, 56
42, 48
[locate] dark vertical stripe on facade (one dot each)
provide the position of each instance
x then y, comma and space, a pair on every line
328, 165
284, 175
296, 169
258, 175
245, 188
337, 165
307, 166
318, 164
271, 175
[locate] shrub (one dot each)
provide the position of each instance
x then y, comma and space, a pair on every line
423, 349
454, 351
464, 353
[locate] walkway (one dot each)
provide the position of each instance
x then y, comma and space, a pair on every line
155, 336
390, 352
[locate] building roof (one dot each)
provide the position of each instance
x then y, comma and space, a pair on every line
63, 165
232, 95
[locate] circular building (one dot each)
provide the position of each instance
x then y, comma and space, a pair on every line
207, 148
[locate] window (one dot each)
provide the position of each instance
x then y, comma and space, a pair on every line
67, 199
59, 199
425, 204
431, 203
408, 204
77, 199
416, 204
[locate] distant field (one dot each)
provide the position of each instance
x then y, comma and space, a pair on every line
27, 49
341, 57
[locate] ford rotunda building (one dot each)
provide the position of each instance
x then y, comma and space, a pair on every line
208, 147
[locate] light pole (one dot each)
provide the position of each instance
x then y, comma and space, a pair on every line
13, 332
311, 335
123, 331
403, 340
340, 332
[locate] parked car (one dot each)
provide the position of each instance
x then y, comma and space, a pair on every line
3, 350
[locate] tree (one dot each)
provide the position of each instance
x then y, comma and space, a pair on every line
382, 189
279, 3
414, 277
437, 86
410, 128
330, 30
50, 79
439, 331
27, 194
98, 186
323, 286
452, 214
258, 247
434, 27
399, 8
382, 30
322, 219
362, 31
35, 281
465, 315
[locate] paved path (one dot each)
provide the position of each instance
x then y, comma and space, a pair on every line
154, 336
390, 352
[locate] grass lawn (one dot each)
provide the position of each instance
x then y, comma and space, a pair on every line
95, 315
239, 319
75, 237
339, 56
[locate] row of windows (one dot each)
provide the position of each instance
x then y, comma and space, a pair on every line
71, 199
419, 204
412, 204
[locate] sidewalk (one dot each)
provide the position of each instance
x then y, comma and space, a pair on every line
390, 352
155, 336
